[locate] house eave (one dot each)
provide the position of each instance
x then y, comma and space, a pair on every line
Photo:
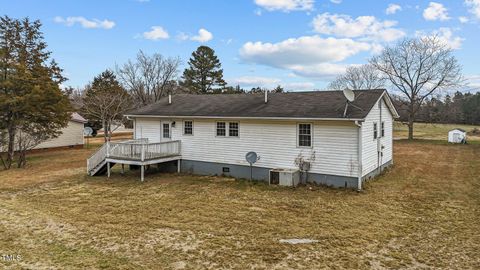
244, 118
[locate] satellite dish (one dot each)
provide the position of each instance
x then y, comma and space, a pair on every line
87, 131
349, 94
251, 157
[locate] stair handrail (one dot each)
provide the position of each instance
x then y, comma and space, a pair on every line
96, 158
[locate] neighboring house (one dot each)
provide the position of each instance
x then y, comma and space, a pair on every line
457, 135
344, 142
72, 134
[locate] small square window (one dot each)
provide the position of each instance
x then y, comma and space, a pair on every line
305, 135
233, 129
375, 131
221, 129
188, 127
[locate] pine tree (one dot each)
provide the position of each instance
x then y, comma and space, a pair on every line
32, 106
204, 74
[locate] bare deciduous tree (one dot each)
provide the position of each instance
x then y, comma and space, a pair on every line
105, 101
148, 77
359, 77
417, 68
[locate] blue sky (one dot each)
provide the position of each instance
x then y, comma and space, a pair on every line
299, 44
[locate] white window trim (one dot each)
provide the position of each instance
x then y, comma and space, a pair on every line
297, 127
183, 127
169, 130
227, 129
238, 130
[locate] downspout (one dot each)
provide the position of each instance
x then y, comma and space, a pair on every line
379, 141
359, 155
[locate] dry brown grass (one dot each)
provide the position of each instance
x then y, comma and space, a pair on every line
423, 213
428, 131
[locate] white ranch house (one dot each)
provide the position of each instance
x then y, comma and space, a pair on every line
343, 142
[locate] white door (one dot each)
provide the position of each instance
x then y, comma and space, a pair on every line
166, 128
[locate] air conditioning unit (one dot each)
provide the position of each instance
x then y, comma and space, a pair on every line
284, 177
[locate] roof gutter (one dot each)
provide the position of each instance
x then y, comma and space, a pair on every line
240, 117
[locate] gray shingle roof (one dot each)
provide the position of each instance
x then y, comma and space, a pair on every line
314, 104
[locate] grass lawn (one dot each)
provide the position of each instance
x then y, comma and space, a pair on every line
429, 131
423, 213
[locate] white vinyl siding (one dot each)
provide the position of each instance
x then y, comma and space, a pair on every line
71, 135
148, 128
370, 158
275, 142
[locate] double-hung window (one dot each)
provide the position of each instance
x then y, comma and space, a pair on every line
221, 129
304, 135
166, 130
187, 127
230, 129
382, 128
375, 131
233, 129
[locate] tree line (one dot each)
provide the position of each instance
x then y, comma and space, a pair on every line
458, 108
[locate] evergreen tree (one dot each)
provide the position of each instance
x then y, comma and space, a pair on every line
204, 74
32, 106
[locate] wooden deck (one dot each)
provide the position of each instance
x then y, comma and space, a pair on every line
133, 152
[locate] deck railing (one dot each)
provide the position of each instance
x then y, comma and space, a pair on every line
96, 158
142, 150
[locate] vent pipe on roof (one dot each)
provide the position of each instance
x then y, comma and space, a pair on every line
169, 98
266, 96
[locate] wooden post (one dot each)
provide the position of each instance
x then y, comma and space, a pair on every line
108, 169
123, 169
142, 172
178, 166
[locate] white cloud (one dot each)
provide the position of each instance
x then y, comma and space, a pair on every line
254, 81
306, 49
392, 9
298, 86
309, 56
435, 11
156, 33
474, 7
85, 23
336, 1
203, 36
285, 5
322, 71
361, 27
446, 36
463, 19
270, 82
473, 81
